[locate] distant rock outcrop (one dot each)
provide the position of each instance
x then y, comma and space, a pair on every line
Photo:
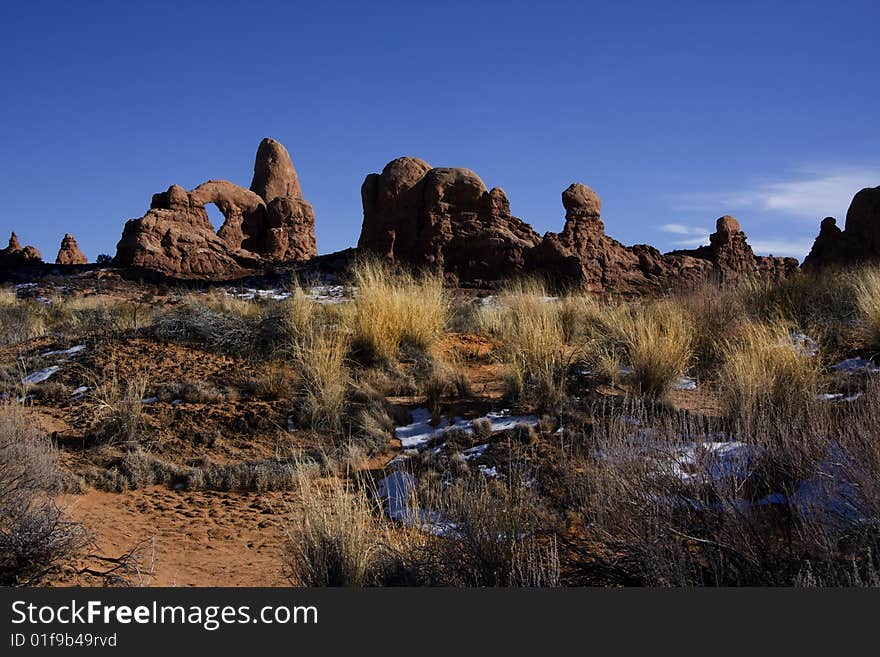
447, 219
270, 223
858, 242
582, 253
69, 253
14, 255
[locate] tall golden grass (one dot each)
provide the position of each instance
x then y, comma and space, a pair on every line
531, 334
395, 309
762, 368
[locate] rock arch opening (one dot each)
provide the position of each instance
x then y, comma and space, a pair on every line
215, 216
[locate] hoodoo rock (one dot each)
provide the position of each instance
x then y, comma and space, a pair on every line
69, 253
859, 241
583, 254
14, 255
269, 223
446, 219
443, 218
732, 258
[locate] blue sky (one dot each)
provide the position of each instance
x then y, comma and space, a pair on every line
675, 113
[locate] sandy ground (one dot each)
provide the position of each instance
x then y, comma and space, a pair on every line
200, 538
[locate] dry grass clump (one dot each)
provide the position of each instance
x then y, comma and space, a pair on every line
394, 309
654, 339
34, 535
21, 321
118, 411
300, 312
334, 543
532, 342
138, 467
194, 324
219, 301
763, 368
866, 286
319, 359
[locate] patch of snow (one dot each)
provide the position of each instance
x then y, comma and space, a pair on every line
474, 452
395, 490
711, 461
492, 472
420, 432
685, 383
149, 400
79, 392
249, 294
291, 425
40, 376
851, 365
329, 293
838, 397
177, 402
66, 352
804, 343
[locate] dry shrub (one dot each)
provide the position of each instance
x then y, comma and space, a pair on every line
34, 535
192, 392
800, 498
394, 309
763, 368
497, 532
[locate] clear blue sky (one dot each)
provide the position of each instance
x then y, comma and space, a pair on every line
674, 112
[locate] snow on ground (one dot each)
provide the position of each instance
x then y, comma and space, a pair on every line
420, 432
838, 397
851, 365
79, 392
65, 352
804, 343
249, 294
474, 452
395, 491
40, 375
319, 293
685, 383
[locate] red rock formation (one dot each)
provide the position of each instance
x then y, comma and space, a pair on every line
442, 218
14, 255
269, 223
859, 241
446, 218
69, 253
